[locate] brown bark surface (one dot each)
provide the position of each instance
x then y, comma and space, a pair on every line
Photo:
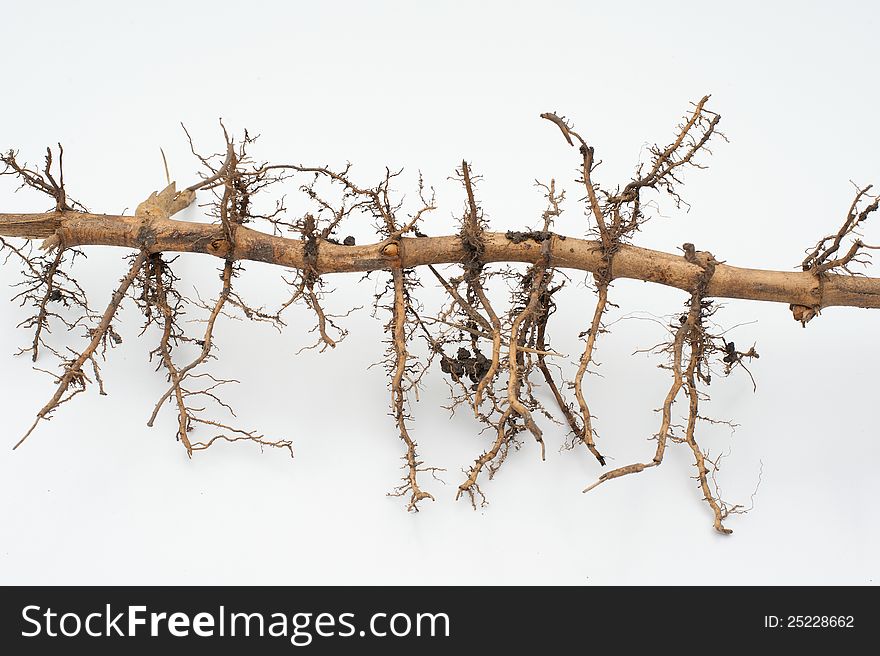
635, 262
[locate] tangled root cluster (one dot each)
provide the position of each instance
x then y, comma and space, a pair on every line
493, 356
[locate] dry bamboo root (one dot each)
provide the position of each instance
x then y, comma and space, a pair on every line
489, 354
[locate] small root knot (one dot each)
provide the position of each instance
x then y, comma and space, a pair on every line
803, 313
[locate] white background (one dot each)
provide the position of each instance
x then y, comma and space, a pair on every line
96, 497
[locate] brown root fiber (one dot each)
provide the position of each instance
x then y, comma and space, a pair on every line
495, 355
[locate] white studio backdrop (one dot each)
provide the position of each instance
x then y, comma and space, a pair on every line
95, 496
